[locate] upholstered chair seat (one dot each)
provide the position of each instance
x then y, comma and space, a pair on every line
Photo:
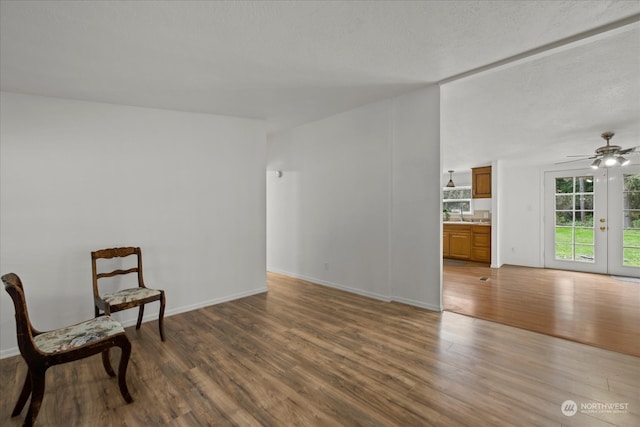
44, 349
122, 267
129, 295
75, 336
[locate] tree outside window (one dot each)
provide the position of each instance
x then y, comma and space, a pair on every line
457, 200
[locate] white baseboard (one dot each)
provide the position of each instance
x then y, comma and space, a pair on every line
202, 304
10, 352
419, 304
14, 351
357, 291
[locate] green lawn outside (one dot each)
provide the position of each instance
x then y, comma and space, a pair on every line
584, 244
631, 244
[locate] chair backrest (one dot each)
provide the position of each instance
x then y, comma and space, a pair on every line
24, 329
115, 253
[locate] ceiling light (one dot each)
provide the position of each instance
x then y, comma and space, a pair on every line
609, 160
609, 155
450, 184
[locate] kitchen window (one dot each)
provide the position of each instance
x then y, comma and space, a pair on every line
457, 199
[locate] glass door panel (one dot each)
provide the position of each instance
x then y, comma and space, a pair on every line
574, 218
572, 238
624, 232
594, 220
631, 220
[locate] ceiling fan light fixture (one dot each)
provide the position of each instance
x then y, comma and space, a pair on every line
609, 155
609, 160
450, 184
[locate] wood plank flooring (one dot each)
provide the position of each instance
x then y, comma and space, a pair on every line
593, 309
308, 355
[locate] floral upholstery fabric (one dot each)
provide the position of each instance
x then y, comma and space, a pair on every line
77, 335
127, 295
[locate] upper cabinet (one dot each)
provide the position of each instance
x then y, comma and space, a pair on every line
481, 182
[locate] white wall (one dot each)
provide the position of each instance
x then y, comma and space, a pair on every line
328, 215
460, 178
520, 216
358, 204
79, 176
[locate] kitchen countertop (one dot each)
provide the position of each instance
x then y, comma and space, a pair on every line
467, 222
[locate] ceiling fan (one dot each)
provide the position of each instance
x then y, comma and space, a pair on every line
607, 155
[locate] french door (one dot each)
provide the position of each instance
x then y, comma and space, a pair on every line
592, 220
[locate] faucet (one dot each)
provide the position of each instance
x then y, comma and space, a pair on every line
461, 216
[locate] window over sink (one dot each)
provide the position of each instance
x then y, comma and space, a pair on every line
457, 199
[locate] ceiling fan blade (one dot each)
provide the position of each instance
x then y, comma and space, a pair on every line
581, 155
628, 150
574, 160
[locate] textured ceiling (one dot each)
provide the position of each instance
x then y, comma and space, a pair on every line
293, 62
548, 107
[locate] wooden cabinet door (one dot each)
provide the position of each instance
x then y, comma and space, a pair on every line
460, 244
481, 243
481, 254
481, 239
481, 182
445, 243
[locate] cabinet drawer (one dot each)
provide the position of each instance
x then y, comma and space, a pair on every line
481, 254
483, 240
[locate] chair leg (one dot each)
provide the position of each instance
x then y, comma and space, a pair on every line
106, 362
140, 314
37, 393
125, 347
24, 395
161, 317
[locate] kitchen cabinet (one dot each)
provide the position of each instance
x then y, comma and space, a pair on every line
481, 243
481, 182
446, 235
465, 241
460, 243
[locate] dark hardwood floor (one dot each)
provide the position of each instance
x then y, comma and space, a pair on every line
593, 309
308, 355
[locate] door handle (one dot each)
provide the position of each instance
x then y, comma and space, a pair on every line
602, 228
603, 220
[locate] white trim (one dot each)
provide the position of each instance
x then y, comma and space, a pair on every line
317, 281
10, 352
202, 304
599, 263
418, 304
14, 351
373, 295
622, 25
615, 211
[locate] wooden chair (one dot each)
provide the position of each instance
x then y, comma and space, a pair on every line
42, 350
125, 298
